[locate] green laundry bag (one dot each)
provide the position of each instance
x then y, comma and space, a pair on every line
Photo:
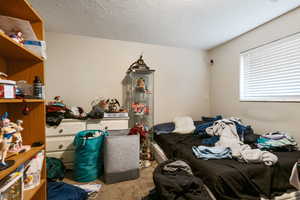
88, 164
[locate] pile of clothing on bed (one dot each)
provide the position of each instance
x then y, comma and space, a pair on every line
235, 162
230, 138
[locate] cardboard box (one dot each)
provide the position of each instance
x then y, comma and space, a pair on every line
7, 91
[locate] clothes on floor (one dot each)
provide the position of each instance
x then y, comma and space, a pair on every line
92, 189
64, 191
177, 166
153, 195
229, 137
207, 153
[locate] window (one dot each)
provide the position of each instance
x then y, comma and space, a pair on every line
271, 72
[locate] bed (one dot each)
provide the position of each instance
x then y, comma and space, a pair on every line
230, 179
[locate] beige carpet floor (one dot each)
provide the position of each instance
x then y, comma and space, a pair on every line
127, 190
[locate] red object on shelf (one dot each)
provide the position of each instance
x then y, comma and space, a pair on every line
7, 91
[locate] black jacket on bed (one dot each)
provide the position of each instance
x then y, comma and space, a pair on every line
178, 185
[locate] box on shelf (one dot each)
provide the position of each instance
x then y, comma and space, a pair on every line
7, 89
37, 47
32, 172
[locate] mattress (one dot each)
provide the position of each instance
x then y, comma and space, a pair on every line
228, 178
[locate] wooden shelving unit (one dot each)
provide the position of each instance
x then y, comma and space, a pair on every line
20, 159
22, 64
22, 101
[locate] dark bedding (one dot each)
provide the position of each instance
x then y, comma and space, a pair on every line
231, 179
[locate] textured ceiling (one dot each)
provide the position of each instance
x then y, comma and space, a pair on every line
181, 23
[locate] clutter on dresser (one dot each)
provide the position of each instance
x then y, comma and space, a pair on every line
21, 32
107, 108
57, 110
99, 106
138, 86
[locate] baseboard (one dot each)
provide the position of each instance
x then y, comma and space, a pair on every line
121, 176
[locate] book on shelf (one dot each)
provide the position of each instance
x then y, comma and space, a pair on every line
8, 82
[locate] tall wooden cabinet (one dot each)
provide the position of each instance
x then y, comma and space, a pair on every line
22, 64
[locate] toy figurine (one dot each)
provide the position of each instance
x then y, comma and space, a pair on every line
113, 105
140, 83
138, 108
7, 132
18, 37
17, 145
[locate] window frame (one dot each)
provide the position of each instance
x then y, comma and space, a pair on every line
243, 98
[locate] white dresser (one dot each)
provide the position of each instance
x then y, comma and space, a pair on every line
59, 141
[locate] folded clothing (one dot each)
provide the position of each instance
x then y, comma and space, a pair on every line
207, 153
277, 142
258, 156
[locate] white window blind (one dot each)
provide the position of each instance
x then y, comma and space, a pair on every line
271, 72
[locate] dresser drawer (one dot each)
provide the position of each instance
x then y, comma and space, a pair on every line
65, 156
65, 128
114, 124
59, 143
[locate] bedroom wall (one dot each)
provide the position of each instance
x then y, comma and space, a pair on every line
264, 116
82, 68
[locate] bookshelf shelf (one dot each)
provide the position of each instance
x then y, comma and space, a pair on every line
20, 63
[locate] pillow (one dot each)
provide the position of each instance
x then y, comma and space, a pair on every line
164, 128
184, 125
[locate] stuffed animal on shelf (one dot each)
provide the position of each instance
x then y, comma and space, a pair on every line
99, 106
113, 105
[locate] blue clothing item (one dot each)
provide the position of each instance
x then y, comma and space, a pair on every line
201, 128
209, 121
164, 128
210, 141
212, 119
207, 153
64, 191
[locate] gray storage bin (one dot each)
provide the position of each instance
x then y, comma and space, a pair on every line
121, 156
